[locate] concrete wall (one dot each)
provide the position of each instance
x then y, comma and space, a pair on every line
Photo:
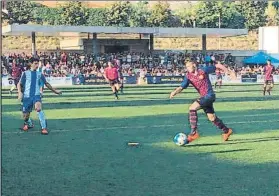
134, 44
71, 44
269, 39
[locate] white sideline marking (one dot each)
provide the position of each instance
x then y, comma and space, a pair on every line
136, 127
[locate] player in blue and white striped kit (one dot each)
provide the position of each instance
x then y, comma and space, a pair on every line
31, 81
40, 69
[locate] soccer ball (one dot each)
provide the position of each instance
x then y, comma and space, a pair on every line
180, 139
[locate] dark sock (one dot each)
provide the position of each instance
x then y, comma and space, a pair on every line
121, 88
115, 94
215, 84
26, 121
264, 89
218, 123
193, 119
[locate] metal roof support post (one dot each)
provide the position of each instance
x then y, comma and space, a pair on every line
151, 42
95, 44
33, 37
204, 43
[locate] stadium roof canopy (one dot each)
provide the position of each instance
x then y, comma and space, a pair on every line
68, 31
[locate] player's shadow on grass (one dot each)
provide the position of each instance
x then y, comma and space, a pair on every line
228, 151
233, 142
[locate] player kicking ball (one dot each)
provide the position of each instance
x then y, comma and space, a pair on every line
31, 81
111, 76
268, 77
200, 80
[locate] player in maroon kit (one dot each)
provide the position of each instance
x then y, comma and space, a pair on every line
111, 76
116, 63
200, 80
268, 77
16, 74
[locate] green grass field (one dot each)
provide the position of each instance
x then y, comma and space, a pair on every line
86, 152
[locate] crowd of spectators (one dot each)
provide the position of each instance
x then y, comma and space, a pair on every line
61, 64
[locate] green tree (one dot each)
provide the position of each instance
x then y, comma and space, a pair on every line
73, 13
139, 15
118, 14
254, 13
47, 16
20, 12
161, 15
272, 14
230, 16
187, 15
96, 17
276, 6
209, 14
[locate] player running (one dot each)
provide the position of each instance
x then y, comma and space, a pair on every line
268, 77
30, 81
200, 80
111, 76
16, 74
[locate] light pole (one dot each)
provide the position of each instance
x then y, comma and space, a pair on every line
219, 29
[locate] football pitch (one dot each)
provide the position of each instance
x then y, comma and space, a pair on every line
86, 151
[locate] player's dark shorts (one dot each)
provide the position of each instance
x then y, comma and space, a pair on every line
206, 103
16, 81
269, 82
113, 82
28, 103
219, 77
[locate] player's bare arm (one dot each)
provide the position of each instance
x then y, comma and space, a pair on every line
53, 89
176, 91
230, 73
20, 95
106, 77
222, 67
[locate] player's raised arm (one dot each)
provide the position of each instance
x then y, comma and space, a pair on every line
222, 67
179, 89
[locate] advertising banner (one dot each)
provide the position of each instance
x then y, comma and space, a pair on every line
7, 82
260, 78
94, 80
59, 81
164, 79
225, 79
249, 78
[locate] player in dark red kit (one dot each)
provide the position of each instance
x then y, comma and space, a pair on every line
111, 76
16, 74
200, 80
268, 77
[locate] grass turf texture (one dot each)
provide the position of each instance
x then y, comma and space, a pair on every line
86, 152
